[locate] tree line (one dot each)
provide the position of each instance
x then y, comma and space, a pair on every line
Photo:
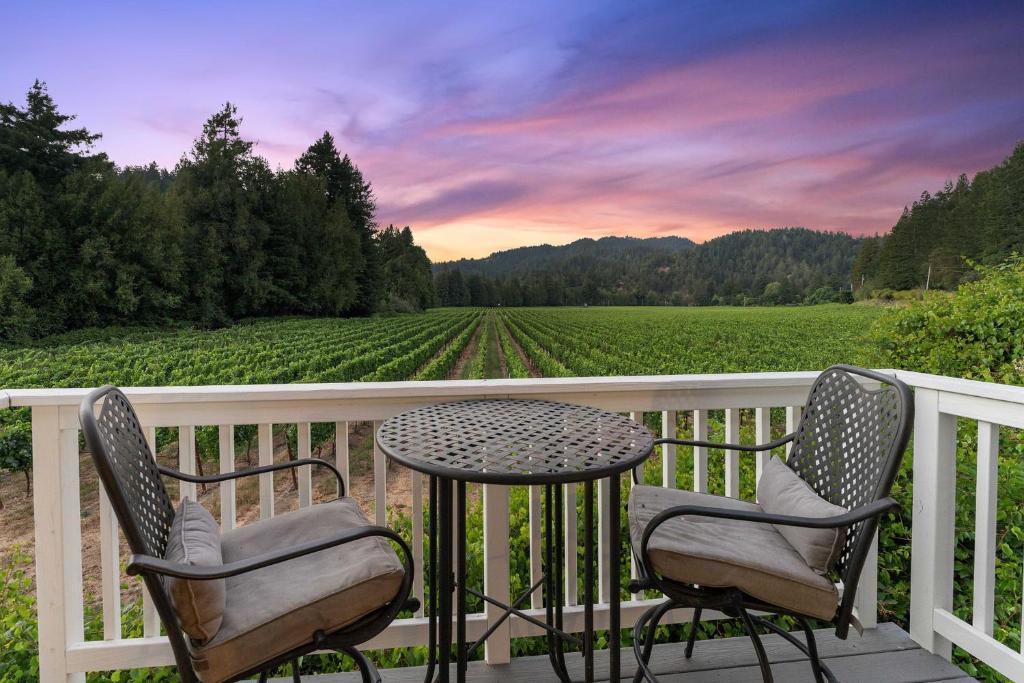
749, 267
218, 238
936, 239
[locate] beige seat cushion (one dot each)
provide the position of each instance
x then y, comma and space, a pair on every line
275, 609
194, 540
750, 556
781, 491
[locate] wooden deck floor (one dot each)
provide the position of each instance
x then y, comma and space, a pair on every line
884, 655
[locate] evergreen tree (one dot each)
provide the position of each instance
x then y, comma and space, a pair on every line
34, 140
405, 269
222, 187
344, 183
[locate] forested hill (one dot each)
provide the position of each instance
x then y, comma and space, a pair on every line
932, 243
780, 266
588, 253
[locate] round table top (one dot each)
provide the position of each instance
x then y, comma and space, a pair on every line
514, 441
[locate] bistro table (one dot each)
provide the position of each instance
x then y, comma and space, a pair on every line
516, 442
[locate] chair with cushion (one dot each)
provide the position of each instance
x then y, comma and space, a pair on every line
243, 602
812, 526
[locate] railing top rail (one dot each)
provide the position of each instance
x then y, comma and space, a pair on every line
957, 385
491, 388
486, 388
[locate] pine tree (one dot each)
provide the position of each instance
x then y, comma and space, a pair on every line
344, 183
222, 188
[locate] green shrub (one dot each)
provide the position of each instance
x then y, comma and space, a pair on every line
978, 333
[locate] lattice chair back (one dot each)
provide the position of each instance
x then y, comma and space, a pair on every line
848, 448
128, 470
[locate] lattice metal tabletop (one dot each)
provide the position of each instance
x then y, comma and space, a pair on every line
509, 441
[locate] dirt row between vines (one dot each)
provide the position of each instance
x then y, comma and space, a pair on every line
16, 517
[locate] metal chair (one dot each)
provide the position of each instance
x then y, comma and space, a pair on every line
132, 480
847, 448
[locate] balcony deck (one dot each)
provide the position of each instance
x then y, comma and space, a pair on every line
882, 655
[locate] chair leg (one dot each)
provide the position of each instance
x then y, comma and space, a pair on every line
295, 671
652, 617
366, 668
263, 676
817, 666
692, 638
762, 656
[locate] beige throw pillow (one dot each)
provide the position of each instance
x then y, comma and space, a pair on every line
781, 491
195, 540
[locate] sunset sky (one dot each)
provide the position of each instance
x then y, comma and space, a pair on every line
491, 125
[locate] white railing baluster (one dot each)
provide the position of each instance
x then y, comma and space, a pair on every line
793, 414
497, 648
58, 529
985, 527
417, 538
150, 618
732, 458
265, 437
187, 460
536, 546
226, 449
110, 568
637, 475
571, 539
305, 477
380, 480
931, 561
341, 452
763, 434
668, 450
700, 453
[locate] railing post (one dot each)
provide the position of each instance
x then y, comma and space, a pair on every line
867, 588
986, 497
931, 557
497, 647
58, 531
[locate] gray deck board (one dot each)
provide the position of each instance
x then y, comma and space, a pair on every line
886, 655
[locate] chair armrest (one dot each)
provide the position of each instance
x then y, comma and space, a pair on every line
730, 446
248, 472
138, 564
872, 509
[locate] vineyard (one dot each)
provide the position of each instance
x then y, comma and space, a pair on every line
441, 344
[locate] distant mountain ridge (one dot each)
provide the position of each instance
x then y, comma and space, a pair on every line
773, 266
547, 257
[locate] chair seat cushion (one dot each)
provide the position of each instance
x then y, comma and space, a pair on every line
273, 610
194, 539
750, 556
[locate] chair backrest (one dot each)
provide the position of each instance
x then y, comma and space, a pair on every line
129, 475
128, 470
848, 448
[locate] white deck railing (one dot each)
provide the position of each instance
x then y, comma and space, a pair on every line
65, 654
